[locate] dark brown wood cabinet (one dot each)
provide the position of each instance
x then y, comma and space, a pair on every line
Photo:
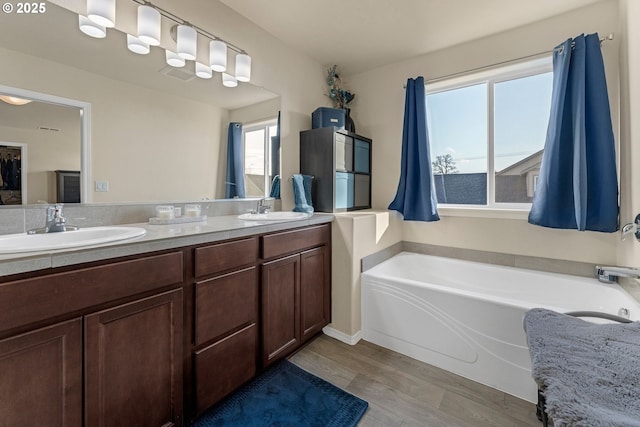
280, 307
96, 345
295, 289
158, 338
41, 377
133, 363
225, 336
315, 291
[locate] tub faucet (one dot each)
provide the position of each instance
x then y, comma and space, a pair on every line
263, 205
609, 274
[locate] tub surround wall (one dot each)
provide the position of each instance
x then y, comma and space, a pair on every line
549, 265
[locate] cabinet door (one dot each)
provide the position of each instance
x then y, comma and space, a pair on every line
224, 366
133, 363
280, 307
41, 377
315, 291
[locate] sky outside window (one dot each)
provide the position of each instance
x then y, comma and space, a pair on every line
457, 122
521, 116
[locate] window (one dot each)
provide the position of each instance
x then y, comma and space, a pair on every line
257, 143
487, 133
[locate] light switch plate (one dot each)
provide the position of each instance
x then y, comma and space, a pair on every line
101, 186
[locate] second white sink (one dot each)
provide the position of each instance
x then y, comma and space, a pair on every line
16, 243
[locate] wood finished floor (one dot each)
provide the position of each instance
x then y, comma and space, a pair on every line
402, 391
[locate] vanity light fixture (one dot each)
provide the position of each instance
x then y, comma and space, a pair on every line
228, 80
174, 59
243, 67
136, 45
102, 12
218, 55
13, 100
90, 28
149, 25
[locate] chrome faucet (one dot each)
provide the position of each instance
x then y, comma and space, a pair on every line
263, 205
55, 222
609, 274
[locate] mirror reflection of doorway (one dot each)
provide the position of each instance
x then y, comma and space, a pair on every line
12, 173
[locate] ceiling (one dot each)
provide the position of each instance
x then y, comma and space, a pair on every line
360, 35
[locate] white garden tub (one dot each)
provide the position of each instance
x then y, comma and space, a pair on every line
466, 317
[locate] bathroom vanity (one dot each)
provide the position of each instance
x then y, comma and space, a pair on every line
154, 338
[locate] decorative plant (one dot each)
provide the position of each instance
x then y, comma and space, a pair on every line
340, 96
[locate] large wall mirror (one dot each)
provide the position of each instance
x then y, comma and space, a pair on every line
151, 132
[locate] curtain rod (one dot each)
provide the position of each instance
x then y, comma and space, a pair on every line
484, 67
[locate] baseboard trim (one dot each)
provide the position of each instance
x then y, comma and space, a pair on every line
341, 336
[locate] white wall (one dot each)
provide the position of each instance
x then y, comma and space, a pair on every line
47, 151
629, 250
379, 115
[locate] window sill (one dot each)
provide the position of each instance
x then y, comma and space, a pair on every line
482, 212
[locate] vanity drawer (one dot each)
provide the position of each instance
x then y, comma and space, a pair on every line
277, 244
225, 303
225, 256
224, 366
27, 301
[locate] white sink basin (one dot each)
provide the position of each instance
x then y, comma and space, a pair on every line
274, 216
15, 243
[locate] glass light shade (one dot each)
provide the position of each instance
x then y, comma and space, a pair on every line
102, 12
13, 100
149, 25
228, 80
187, 39
136, 45
90, 28
243, 67
174, 59
218, 55
203, 71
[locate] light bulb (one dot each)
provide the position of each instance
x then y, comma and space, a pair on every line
228, 80
218, 55
243, 67
102, 12
187, 42
136, 45
203, 71
174, 59
149, 25
90, 28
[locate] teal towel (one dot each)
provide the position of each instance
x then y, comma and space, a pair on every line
302, 193
275, 187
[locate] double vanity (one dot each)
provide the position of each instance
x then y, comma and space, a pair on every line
155, 329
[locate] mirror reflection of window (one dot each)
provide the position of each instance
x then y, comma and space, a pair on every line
258, 170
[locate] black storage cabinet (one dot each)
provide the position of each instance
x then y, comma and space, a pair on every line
340, 162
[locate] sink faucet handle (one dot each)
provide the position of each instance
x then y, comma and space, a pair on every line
263, 205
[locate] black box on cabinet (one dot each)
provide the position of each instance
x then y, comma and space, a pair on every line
327, 117
340, 162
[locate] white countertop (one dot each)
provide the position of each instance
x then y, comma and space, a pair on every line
157, 238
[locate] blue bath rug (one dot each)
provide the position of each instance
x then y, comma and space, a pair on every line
286, 395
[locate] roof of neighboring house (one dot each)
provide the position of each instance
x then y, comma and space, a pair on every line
524, 165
